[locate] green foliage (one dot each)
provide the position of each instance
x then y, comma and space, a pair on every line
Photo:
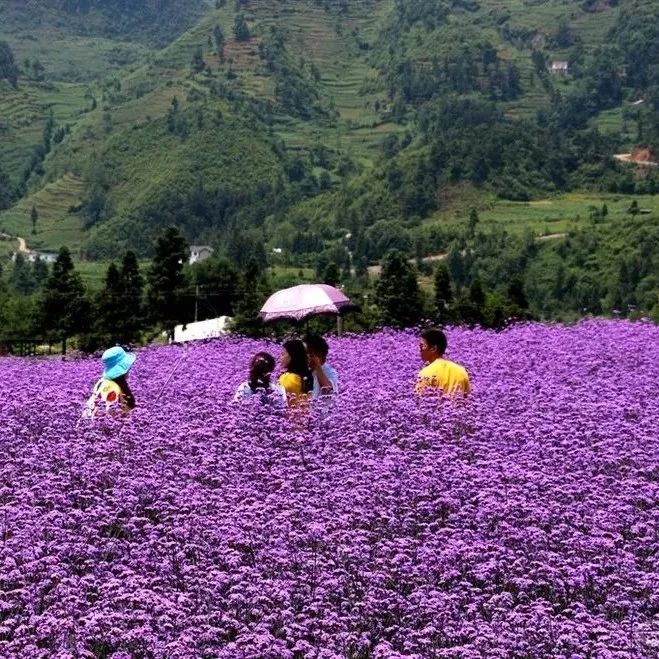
144, 20
443, 291
397, 292
240, 28
119, 308
218, 287
7, 190
256, 290
8, 69
167, 286
64, 309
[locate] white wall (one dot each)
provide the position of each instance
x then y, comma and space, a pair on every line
204, 329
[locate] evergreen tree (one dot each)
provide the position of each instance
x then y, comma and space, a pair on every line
473, 222
456, 266
361, 269
166, 293
397, 292
217, 287
132, 292
34, 216
516, 293
331, 276
8, 69
109, 306
40, 272
7, 190
21, 278
240, 28
198, 63
476, 293
64, 310
443, 290
256, 290
218, 38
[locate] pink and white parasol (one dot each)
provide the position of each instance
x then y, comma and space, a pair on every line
301, 302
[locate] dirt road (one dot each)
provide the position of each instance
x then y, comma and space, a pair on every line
22, 245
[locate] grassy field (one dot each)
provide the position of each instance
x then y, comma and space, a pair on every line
546, 217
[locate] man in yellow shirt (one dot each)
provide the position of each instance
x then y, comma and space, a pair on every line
440, 373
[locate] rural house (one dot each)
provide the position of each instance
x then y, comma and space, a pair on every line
199, 253
560, 68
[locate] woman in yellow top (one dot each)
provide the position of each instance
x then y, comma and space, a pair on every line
296, 380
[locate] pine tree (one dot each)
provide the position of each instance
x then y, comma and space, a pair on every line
166, 292
34, 216
132, 294
21, 278
516, 293
8, 68
240, 28
108, 306
198, 63
40, 272
218, 38
256, 291
397, 292
473, 221
331, 276
64, 309
443, 290
7, 189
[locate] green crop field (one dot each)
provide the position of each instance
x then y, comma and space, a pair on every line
546, 218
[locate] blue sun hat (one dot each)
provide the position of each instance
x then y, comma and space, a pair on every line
116, 362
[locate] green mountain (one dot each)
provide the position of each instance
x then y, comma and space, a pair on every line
295, 123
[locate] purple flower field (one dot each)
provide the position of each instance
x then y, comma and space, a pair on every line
522, 524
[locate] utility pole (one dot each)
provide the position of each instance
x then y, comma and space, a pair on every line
196, 302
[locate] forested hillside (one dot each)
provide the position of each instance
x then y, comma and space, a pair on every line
333, 132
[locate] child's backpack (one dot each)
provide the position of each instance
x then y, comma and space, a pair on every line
106, 393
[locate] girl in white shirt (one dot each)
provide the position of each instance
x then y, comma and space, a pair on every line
259, 383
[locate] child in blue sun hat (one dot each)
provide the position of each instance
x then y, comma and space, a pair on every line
112, 389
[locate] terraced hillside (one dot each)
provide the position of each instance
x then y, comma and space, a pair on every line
297, 110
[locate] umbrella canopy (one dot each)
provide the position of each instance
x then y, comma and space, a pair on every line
301, 302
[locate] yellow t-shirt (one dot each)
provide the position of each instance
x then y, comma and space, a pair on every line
443, 374
291, 383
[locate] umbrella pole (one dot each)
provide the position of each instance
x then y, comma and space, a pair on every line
339, 325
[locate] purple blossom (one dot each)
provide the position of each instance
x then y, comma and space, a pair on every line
522, 524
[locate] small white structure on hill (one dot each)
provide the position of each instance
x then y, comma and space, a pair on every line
199, 253
32, 255
203, 329
560, 67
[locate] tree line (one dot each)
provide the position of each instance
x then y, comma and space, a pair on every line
484, 278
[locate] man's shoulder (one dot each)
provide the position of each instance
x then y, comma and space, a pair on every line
456, 367
428, 370
330, 371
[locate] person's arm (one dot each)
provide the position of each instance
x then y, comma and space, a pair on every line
325, 384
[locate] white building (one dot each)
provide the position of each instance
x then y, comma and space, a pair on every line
33, 255
560, 67
199, 253
203, 329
